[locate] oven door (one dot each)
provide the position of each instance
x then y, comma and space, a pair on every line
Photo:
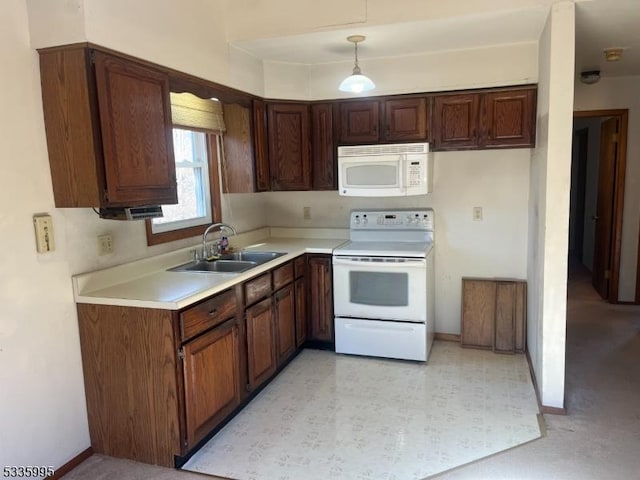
383, 288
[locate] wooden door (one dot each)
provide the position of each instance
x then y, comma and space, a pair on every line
301, 312
261, 352
323, 151
135, 119
284, 307
602, 249
211, 379
320, 298
260, 146
289, 147
359, 121
405, 119
508, 119
455, 121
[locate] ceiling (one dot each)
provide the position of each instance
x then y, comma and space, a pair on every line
599, 24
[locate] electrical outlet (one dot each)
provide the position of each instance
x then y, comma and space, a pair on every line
105, 244
44, 233
306, 213
477, 213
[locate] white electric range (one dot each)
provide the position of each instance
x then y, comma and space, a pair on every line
383, 285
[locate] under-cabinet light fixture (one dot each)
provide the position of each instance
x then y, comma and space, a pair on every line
356, 82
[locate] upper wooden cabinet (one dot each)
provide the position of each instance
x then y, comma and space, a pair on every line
289, 146
502, 118
261, 146
108, 126
455, 121
405, 119
508, 118
360, 121
323, 149
386, 120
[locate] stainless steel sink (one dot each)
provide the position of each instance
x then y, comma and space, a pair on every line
229, 262
216, 266
251, 256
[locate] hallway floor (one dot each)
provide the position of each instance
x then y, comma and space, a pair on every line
598, 438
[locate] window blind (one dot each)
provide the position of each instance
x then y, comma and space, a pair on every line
190, 111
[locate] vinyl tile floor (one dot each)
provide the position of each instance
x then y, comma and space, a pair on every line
329, 416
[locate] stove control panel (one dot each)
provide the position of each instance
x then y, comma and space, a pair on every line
389, 220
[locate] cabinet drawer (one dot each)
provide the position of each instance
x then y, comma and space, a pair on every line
207, 314
300, 265
282, 275
257, 288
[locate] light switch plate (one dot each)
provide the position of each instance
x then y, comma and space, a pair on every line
43, 225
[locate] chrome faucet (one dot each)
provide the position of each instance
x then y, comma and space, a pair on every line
221, 226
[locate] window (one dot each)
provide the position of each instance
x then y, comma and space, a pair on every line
198, 124
192, 176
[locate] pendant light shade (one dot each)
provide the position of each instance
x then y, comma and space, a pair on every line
356, 82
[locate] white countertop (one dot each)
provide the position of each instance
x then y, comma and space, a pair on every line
147, 283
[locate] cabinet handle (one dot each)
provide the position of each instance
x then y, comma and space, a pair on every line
213, 312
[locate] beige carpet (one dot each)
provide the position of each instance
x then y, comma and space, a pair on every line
598, 439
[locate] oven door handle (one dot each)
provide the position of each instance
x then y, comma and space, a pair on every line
405, 263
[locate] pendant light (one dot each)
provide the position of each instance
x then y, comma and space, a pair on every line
356, 82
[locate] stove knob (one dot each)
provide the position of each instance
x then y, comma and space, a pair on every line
365, 221
408, 219
357, 221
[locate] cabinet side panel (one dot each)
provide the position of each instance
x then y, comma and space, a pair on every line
478, 313
521, 317
71, 139
129, 364
504, 337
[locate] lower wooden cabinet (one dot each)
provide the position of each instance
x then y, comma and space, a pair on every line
320, 298
211, 366
157, 382
494, 314
261, 352
284, 307
301, 311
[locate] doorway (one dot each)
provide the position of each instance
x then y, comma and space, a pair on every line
597, 193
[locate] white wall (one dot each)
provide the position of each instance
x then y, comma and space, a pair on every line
42, 408
549, 205
618, 93
453, 70
496, 180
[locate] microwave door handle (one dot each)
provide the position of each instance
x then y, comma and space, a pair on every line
402, 172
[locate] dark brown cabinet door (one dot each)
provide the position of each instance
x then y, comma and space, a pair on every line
320, 298
135, 119
359, 121
301, 311
260, 146
405, 119
323, 151
455, 121
289, 157
211, 379
508, 119
261, 353
284, 303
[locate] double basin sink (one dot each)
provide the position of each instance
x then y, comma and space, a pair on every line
237, 262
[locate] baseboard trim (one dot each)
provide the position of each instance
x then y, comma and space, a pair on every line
553, 410
447, 337
71, 464
624, 302
541, 407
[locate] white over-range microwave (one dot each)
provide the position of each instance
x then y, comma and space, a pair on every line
394, 170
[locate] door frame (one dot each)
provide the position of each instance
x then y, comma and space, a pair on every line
618, 197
